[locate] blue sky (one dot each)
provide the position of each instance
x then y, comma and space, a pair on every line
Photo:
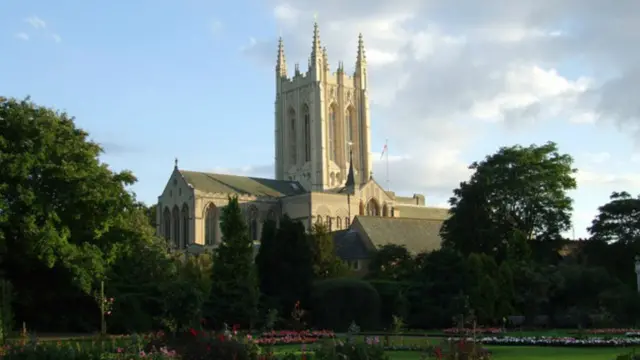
194, 79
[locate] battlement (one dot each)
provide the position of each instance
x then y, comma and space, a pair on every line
338, 77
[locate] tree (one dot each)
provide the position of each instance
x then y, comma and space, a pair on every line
521, 189
326, 264
391, 262
615, 237
285, 255
618, 220
60, 211
266, 262
234, 290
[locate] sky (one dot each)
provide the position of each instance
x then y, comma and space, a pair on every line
451, 81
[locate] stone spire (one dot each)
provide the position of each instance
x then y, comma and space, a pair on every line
316, 49
351, 180
281, 65
361, 60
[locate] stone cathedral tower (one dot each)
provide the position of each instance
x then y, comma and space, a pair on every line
320, 117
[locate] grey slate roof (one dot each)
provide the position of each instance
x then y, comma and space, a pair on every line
422, 212
349, 245
241, 185
416, 234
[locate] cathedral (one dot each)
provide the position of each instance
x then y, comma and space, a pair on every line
323, 171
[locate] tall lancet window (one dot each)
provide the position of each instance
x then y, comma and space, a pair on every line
307, 132
293, 144
332, 133
348, 128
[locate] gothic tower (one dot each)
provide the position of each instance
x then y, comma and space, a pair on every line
319, 117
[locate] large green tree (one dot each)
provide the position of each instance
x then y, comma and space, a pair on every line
391, 262
517, 191
234, 289
326, 263
618, 220
286, 255
615, 237
60, 212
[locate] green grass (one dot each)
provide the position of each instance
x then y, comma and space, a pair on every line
511, 353
499, 352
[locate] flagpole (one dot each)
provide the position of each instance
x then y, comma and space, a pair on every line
386, 145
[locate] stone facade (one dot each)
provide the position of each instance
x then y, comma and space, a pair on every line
322, 169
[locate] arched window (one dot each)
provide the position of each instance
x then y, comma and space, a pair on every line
293, 144
210, 225
372, 208
319, 220
348, 127
346, 222
166, 221
329, 223
185, 225
361, 212
176, 226
332, 133
307, 132
338, 223
385, 210
253, 223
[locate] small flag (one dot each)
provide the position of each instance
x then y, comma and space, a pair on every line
384, 151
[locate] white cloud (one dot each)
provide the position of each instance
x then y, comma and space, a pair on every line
599, 157
41, 27
215, 27
444, 75
36, 22
22, 36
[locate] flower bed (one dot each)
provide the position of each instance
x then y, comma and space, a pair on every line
293, 337
611, 331
479, 330
556, 341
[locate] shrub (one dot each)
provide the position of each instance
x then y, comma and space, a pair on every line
334, 350
388, 291
338, 302
461, 350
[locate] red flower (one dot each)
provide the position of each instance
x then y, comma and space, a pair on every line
193, 332
221, 337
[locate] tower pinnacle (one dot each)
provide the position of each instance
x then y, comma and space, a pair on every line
362, 57
281, 65
316, 49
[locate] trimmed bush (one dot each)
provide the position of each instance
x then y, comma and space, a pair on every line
336, 303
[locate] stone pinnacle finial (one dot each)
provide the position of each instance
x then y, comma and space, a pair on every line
281, 64
176, 163
362, 57
316, 49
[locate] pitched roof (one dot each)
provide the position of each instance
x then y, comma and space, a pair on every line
422, 212
349, 245
416, 234
234, 184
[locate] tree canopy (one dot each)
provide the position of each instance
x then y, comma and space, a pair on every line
516, 190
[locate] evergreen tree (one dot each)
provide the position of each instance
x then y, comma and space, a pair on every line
234, 288
266, 261
326, 263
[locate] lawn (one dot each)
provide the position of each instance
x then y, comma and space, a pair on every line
499, 352
512, 353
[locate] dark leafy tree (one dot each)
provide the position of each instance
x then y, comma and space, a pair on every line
618, 220
326, 263
60, 210
391, 262
234, 290
266, 263
517, 189
615, 237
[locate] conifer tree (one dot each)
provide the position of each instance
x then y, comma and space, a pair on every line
234, 288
